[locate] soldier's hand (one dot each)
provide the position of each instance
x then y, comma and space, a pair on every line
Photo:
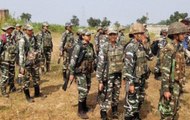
71, 77
131, 88
21, 70
167, 95
101, 86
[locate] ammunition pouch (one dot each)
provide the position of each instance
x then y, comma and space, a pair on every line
87, 66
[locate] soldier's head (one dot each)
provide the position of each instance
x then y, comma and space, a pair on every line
121, 28
164, 32
86, 35
137, 31
8, 28
29, 30
112, 34
45, 26
100, 29
177, 31
105, 30
18, 27
68, 26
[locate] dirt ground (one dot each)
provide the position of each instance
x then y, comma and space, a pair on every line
60, 105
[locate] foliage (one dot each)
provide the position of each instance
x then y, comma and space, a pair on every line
105, 22
75, 20
26, 17
143, 19
93, 22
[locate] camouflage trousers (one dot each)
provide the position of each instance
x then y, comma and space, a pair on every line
168, 108
65, 61
31, 70
47, 55
84, 84
110, 94
133, 101
8, 73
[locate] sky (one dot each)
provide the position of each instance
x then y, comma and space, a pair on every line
123, 11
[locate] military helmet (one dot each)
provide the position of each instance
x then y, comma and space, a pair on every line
18, 25
163, 30
29, 27
99, 28
86, 32
121, 28
112, 29
7, 26
68, 24
80, 31
45, 24
136, 28
176, 28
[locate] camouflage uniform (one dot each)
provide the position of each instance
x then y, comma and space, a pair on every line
135, 72
173, 73
67, 42
161, 44
97, 38
81, 66
45, 39
121, 36
7, 54
29, 51
109, 74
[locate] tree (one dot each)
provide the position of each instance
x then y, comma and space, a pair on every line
93, 22
117, 24
26, 17
143, 19
75, 20
105, 22
174, 18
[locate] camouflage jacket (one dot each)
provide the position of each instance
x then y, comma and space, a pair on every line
121, 39
18, 35
7, 48
86, 64
29, 49
98, 37
172, 64
162, 42
67, 40
110, 60
136, 61
45, 40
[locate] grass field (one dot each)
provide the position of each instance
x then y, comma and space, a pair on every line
60, 105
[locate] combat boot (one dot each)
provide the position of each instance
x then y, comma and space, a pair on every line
115, 112
27, 94
81, 112
37, 92
85, 107
3, 91
12, 88
103, 115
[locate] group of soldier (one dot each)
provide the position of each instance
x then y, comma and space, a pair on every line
112, 58
21, 47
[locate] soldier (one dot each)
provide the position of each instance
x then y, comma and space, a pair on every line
97, 38
146, 33
109, 74
29, 51
45, 39
136, 70
121, 36
173, 71
7, 54
81, 67
161, 44
67, 42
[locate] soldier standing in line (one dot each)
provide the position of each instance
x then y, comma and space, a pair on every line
7, 56
109, 70
29, 51
136, 71
45, 39
67, 42
98, 37
173, 71
81, 66
121, 36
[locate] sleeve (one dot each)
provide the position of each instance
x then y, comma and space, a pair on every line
166, 69
129, 64
148, 51
63, 41
21, 52
74, 58
101, 65
39, 42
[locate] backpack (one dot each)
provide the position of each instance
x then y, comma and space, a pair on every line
154, 47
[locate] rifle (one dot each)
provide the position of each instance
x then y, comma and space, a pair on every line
78, 63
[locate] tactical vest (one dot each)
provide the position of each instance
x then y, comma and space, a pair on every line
9, 50
47, 39
69, 41
140, 62
115, 59
86, 64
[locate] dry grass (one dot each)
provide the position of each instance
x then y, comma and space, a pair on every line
60, 105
